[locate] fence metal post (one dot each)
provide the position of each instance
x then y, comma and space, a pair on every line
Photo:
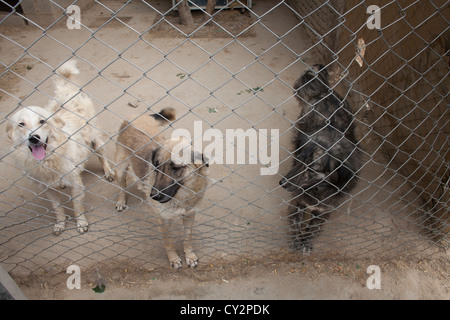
9, 290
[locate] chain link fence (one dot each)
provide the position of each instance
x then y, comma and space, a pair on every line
234, 69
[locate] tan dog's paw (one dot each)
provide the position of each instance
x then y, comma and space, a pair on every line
110, 176
82, 226
191, 260
62, 184
176, 263
120, 206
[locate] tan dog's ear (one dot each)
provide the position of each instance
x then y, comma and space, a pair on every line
9, 130
199, 158
205, 160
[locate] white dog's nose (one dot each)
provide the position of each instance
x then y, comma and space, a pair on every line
35, 139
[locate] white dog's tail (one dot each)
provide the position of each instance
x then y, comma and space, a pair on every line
66, 92
68, 69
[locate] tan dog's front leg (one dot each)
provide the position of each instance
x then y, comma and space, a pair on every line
97, 145
169, 244
121, 175
188, 222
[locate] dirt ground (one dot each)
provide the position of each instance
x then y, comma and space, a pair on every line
248, 279
241, 233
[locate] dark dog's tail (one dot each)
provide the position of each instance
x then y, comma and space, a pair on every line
313, 83
165, 115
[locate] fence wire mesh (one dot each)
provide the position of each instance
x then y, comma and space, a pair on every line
234, 69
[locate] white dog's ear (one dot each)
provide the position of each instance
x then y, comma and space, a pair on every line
9, 130
57, 122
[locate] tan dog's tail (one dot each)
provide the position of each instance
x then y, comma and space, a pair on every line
165, 115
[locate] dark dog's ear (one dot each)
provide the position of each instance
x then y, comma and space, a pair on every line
323, 74
319, 66
198, 158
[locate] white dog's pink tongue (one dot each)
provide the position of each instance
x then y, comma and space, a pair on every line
38, 152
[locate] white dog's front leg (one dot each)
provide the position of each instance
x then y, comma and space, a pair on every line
78, 205
60, 224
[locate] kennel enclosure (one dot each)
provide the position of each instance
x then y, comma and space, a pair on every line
236, 71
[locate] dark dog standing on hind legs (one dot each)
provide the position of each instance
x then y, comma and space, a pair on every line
326, 159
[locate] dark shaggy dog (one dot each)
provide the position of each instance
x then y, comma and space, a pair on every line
325, 156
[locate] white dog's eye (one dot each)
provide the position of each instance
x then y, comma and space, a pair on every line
42, 121
21, 124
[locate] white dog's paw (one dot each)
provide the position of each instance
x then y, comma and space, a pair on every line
82, 226
59, 227
120, 206
191, 260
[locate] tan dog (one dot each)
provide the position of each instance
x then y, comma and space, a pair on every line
55, 142
176, 185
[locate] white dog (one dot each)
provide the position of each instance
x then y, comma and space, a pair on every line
55, 142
